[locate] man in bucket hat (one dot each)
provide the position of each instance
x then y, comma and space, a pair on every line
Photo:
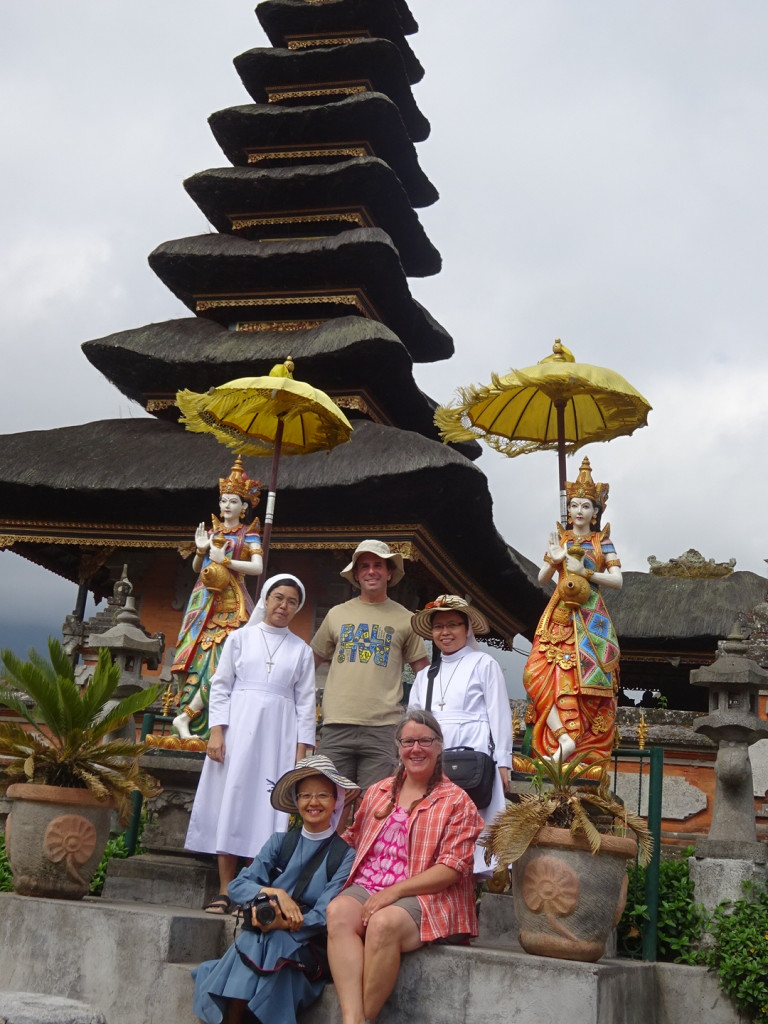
366, 642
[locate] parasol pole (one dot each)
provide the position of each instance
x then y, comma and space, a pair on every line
269, 515
560, 410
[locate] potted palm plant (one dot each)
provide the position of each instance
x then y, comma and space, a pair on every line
568, 843
67, 774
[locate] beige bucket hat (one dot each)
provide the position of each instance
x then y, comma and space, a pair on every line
380, 548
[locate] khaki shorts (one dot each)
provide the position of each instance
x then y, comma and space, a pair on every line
410, 904
364, 753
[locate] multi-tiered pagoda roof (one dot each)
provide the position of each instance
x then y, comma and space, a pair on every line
315, 236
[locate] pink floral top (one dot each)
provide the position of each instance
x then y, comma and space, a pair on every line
387, 860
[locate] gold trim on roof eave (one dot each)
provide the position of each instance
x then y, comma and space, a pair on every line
411, 540
297, 93
289, 153
302, 42
356, 298
257, 326
356, 216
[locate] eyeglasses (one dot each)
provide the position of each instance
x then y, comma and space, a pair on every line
292, 602
423, 741
306, 797
438, 627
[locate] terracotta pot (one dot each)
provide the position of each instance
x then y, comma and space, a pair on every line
55, 838
567, 900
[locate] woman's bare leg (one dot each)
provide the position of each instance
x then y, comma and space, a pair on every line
235, 1011
346, 954
391, 931
227, 863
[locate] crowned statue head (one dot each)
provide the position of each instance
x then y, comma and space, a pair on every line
585, 488
237, 483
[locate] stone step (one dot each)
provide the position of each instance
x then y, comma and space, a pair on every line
33, 1008
132, 964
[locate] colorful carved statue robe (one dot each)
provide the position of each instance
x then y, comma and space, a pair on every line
219, 602
574, 661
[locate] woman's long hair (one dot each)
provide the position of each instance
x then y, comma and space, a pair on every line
428, 720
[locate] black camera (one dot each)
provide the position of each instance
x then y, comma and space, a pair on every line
264, 911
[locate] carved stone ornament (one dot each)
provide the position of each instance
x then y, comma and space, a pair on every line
691, 565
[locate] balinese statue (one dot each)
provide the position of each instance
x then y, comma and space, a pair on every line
219, 602
572, 672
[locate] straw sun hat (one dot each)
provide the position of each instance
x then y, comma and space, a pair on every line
421, 622
283, 796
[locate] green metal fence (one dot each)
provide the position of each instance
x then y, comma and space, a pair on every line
147, 726
653, 781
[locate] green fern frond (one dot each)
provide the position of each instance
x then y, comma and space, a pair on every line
69, 746
101, 686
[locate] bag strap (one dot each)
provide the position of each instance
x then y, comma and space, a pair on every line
335, 856
287, 848
432, 671
333, 849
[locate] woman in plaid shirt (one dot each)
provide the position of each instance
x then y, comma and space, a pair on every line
411, 881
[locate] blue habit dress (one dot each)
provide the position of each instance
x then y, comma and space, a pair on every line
273, 998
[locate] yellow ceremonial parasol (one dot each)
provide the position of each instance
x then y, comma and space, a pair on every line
263, 416
558, 404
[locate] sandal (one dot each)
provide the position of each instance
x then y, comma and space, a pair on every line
219, 905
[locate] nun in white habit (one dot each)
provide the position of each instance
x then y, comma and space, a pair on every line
262, 718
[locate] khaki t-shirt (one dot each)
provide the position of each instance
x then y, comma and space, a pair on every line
367, 646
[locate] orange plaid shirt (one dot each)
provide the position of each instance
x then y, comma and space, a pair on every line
442, 829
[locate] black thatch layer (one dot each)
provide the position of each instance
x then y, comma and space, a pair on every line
340, 357
665, 610
157, 473
386, 19
367, 183
214, 265
366, 119
375, 61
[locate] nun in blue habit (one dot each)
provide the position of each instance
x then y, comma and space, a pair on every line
274, 970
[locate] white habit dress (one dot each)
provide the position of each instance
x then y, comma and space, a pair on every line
471, 687
265, 714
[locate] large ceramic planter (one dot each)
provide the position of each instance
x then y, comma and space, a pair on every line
567, 900
55, 838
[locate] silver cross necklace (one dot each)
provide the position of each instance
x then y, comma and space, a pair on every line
271, 654
443, 689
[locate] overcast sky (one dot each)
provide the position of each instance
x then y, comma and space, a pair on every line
602, 171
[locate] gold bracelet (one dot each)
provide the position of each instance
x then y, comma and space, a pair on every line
226, 560
201, 552
589, 573
559, 732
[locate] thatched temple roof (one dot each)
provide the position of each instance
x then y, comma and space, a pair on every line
377, 62
668, 610
284, 20
150, 472
366, 185
221, 267
369, 122
156, 361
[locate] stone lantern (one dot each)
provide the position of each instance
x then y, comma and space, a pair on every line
731, 853
130, 647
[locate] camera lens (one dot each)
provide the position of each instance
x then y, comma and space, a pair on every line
265, 913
